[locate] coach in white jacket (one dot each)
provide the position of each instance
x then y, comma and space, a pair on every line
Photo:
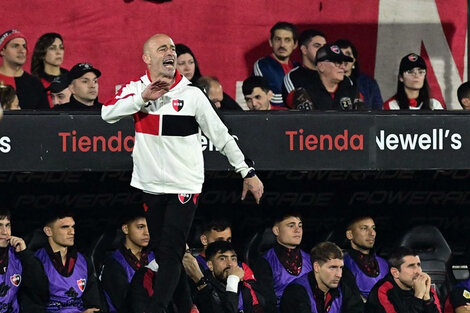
169, 114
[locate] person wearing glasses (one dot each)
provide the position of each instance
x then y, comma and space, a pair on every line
328, 90
412, 88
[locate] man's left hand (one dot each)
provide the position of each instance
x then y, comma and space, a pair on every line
255, 186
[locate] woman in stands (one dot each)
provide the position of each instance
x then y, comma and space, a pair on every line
412, 88
48, 57
186, 63
367, 86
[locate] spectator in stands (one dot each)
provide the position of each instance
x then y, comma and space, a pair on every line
412, 87
187, 65
328, 89
406, 289
8, 98
225, 290
212, 88
13, 257
302, 77
48, 56
59, 90
327, 288
258, 95
274, 67
13, 50
120, 267
283, 263
64, 279
463, 93
367, 86
458, 300
361, 260
84, 88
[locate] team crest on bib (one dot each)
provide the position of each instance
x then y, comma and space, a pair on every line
15, 279
81, 284
177, 104
466, 294
184, 197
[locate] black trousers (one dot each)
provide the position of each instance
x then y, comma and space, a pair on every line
169, 218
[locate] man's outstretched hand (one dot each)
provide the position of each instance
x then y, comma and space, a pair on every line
255, 186
155, 90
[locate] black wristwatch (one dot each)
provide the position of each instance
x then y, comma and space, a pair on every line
250, 174
203, 281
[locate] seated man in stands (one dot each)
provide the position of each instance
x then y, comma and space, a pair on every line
406, 289
64, 280
331, 91
224, 290
361, 260
459, 298
13, 257
13, 51
258, 95
303, 77
283, 42
120, 267
215, 92
59, 90
84, 87
327, 288
284, 262
463, 93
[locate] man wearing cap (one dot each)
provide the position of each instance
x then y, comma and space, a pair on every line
310, 41
59, 90
169, 115
328, 90
84, 88
13, 51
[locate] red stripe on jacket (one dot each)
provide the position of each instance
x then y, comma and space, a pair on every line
147, 123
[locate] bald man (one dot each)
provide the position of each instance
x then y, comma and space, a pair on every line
212, 87
169, 115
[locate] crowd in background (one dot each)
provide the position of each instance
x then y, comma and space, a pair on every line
331, 80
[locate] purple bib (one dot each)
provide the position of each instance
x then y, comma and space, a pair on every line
336, 303
364, 282
202, 262
465, 284
117, 255
281, 277
65, 293
9, 283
